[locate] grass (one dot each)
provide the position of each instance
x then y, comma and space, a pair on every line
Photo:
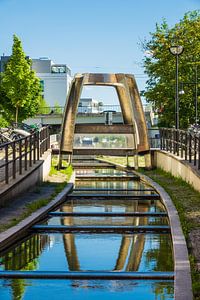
187, 202
123, 160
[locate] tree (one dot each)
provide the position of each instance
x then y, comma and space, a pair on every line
57, 108
19, 85
160, 67
44, 107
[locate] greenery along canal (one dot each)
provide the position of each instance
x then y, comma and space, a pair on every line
100, 215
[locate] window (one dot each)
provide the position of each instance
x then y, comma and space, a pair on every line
42, 85
58, 69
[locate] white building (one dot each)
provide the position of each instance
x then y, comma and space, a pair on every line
55, 80
90, 105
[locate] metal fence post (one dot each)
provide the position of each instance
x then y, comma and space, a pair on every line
186, 145
6, 164
30, 151
177, 142
38, 144
195, 150
161, 138
198, 151
20, 156
190, 148
181, 142
14, 160
25, 153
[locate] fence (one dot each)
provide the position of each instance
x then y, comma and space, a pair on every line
181, 143
83, 109
19, 155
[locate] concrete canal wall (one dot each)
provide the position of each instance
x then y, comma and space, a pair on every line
177, 167
37, 173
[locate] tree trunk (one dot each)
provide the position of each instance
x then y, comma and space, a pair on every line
16, 114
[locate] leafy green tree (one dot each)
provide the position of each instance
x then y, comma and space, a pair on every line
20, 86
44, 107
57, 108
160, 64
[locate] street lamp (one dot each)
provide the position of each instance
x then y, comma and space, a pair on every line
176, 51
195, 83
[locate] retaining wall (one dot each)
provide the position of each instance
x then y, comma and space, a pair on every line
37, 173
177, 167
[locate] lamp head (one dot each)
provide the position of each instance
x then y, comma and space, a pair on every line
176, 50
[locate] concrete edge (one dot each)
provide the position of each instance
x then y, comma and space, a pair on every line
190, 167
8, 189
14, 182
183, 281
16, 232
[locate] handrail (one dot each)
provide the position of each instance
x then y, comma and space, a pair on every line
181, 143
24, 153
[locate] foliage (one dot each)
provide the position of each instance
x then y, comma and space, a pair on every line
3, 122
160, 65
44, 107
66, 170
57, 108
19, 85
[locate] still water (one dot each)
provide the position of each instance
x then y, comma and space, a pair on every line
138, 252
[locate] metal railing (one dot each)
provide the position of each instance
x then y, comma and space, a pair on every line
181, 143
19, 155
86, 109
89, 109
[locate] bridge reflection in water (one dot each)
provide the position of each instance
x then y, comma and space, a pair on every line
96, 251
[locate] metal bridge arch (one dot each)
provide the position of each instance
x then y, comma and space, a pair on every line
132, 112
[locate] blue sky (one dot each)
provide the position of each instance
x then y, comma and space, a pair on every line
88, 35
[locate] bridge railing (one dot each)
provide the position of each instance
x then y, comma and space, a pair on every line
84, 109
181, 143
89, 109
19, 155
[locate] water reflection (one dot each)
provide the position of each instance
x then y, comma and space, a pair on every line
95, 172
93, 289
23, 256
118, 205
76, 252
94, 252
111, 184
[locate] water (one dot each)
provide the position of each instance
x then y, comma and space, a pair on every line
138, 252
91, 252
87, 290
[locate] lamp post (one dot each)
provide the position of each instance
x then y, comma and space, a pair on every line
196, 96
176, 51
195, 83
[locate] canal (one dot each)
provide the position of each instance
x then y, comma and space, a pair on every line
110, 239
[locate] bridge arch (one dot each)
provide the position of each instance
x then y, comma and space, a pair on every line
134, 122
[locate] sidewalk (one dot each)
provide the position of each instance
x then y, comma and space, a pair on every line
17, 208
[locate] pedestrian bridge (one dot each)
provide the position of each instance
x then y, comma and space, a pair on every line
133, 126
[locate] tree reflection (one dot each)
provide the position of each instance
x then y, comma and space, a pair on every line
24, 257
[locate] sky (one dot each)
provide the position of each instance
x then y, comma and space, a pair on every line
100, 36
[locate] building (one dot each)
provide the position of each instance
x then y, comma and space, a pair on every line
90, 105
55, 79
